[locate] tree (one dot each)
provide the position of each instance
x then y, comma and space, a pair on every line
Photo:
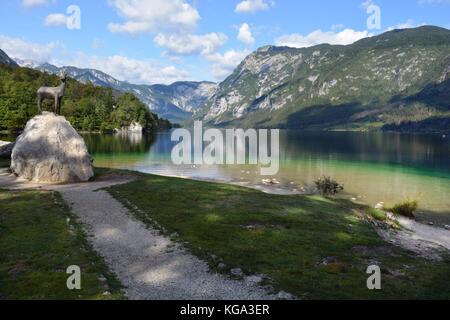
86, 106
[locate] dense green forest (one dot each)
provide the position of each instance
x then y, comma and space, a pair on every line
87, 107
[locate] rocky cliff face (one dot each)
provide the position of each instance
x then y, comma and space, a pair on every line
313, 87
132, 128
51, 151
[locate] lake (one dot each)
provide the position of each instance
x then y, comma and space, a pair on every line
373, 167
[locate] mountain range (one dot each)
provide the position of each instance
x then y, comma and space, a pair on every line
396, 77
399, 80
176, 102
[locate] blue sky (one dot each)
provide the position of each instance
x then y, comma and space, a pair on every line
161, 41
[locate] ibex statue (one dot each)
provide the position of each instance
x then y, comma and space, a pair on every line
56, 93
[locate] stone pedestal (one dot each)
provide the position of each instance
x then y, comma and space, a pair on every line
50, 150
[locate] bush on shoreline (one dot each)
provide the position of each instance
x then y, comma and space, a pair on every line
328, 186
406, 208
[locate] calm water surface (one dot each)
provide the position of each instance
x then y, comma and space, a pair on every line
373, 167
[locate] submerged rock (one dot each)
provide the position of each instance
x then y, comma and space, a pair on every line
270, 181
50, 150
379, 205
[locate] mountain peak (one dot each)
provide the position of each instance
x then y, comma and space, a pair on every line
275, 86
5, 59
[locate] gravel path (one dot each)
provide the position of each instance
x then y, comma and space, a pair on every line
148, 264
151, 266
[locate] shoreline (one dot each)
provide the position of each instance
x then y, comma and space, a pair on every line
132, 196
414, 235
276, 189
424, 239
425, 216
266, 188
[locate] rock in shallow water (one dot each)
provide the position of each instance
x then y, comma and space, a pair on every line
50, 150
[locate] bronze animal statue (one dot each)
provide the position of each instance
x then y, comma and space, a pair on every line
55, 93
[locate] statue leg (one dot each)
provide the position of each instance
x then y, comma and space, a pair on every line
59, 105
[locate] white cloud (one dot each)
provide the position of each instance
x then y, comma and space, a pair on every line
251, 6
36, 3
245, 34
222, 65
154, 16
206, 46
56, 20
187, 44
132, 70
25, 50
410, 23
344, 37
174, 23
120, 67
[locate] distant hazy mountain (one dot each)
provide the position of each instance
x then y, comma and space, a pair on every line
176, 102
5, 59
180, 100
399, 76
27, 63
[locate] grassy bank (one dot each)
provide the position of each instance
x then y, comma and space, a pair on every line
39, 239
311, 246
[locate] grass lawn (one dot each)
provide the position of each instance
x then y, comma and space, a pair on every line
311, 246
38, 243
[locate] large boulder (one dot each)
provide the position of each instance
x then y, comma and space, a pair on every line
6, 149
50, 150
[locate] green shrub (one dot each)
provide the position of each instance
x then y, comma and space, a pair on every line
328, 186
377, 214
406, 208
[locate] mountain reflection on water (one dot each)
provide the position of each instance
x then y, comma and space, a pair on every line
377, 167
